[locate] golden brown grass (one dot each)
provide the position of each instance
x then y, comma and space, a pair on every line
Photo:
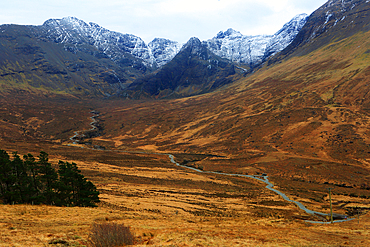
40, 225
169, 206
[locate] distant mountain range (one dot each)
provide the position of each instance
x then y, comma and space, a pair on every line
250, 50
70, 55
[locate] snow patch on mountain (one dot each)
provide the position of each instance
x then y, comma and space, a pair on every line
282, 38
164, 50
231, 44
254, 49
71, 30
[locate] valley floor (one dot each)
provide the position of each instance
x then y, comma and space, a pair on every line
167, 205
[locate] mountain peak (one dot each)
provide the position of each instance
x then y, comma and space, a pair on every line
194, 46
253, 50
194, 41
297, 22
229, 33
164, 50
65, 20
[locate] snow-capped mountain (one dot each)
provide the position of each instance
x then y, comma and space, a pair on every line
254, 49
121, 48
194, 70
117, 46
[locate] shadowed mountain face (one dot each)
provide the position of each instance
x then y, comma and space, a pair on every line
194, 70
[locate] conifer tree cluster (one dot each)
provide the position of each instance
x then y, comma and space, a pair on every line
31, 181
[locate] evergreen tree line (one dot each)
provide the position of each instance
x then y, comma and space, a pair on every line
31, 181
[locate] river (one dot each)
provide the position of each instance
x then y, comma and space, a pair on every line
263, 179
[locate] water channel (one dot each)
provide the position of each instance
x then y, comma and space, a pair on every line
269, 186
263, 179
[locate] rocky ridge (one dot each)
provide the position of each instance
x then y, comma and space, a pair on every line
231, 44
335, 20
75, 32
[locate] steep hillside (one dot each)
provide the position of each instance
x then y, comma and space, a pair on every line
70, 56
31, 62
334, 21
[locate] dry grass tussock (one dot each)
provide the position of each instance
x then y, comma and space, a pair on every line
110, 234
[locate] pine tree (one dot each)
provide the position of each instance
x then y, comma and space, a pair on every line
7, 178
48, 177
35, 183
74, 188
21, 187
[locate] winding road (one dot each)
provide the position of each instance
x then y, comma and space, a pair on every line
263, 179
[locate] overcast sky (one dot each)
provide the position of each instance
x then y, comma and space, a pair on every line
177, 20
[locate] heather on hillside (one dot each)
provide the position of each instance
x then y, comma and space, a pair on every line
34, 181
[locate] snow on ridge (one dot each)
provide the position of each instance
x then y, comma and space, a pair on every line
230, 44
164, 50
252, 50
75, 31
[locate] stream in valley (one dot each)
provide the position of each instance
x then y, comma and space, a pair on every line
269, 186
263, 179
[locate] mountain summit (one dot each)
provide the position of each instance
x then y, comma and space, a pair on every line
253, 50
75, 32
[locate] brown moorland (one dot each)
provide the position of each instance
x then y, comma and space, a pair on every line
166, 205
